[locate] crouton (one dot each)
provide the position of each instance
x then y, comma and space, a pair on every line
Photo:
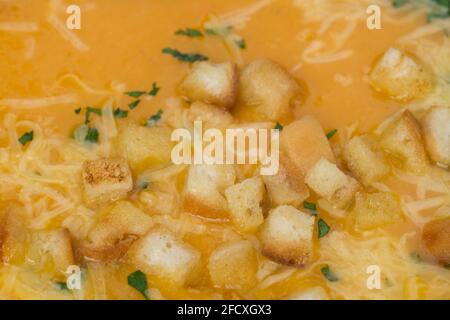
111, 236
51, 250
211, 116
400, 76
364, 160
244, 201
304, 142
287, 236
214, 83
436, 132
436, 238
162, 254
105, 180
266, 92
204, 188
145, 147
233, 265
376, 210
285, 187
13, 236
403, 141
328, 181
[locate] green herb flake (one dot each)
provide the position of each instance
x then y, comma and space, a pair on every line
134, 104
90, 110
155, 89
119, 113
77, 111
184, 57
138, 280
135, 94
91, 135
241, 43
26, 137
189, 32
62, 286
327, 273
323, 228
278, 126
311, 207
399, 3
331, 134
154, 119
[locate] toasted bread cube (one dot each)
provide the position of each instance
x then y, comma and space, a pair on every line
376, 210
304, 142
13, 237
111, 236
287, 236
162, 254
403, 140
266, 92
204, 190
285, 187
214, 83
364, 160
233, 265
436, 132
145, 147
244, 201
401, 77
436, 237
328, 181
54, 247
211, 116
105, 180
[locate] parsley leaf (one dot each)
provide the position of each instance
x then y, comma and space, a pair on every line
135, 94
185, 57
134, 104
241, 43
119, 113
327, 273
311, 207
399, 3
90, 110
154, 91
62, 286
331, 134
323, 228
278, 126
138, 280
91, 135
153, 120
77, 111
26, 137
189, 32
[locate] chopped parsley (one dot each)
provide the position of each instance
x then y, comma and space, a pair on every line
91, 135
399, 3
135, 94
311, 207
278, 126
240, 43
77, 111
189, 32
138, 280
90, 110
154, 119
327, 273
185, 57
134, 104
154, 91
119, 113
219, 31
331, 134
26, 137
62, 286
323, 228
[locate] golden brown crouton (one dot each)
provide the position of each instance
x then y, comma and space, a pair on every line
436, 132
403, 141
211, 116
244, 201
285, 187
266, 92
400, 76
436, 237
214, 83
287, 236
304, 142
328, 181
14, 237
233, 265
364, 160
375, 210
105, 180
162, 254
145, 147
111, 236
204, 188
